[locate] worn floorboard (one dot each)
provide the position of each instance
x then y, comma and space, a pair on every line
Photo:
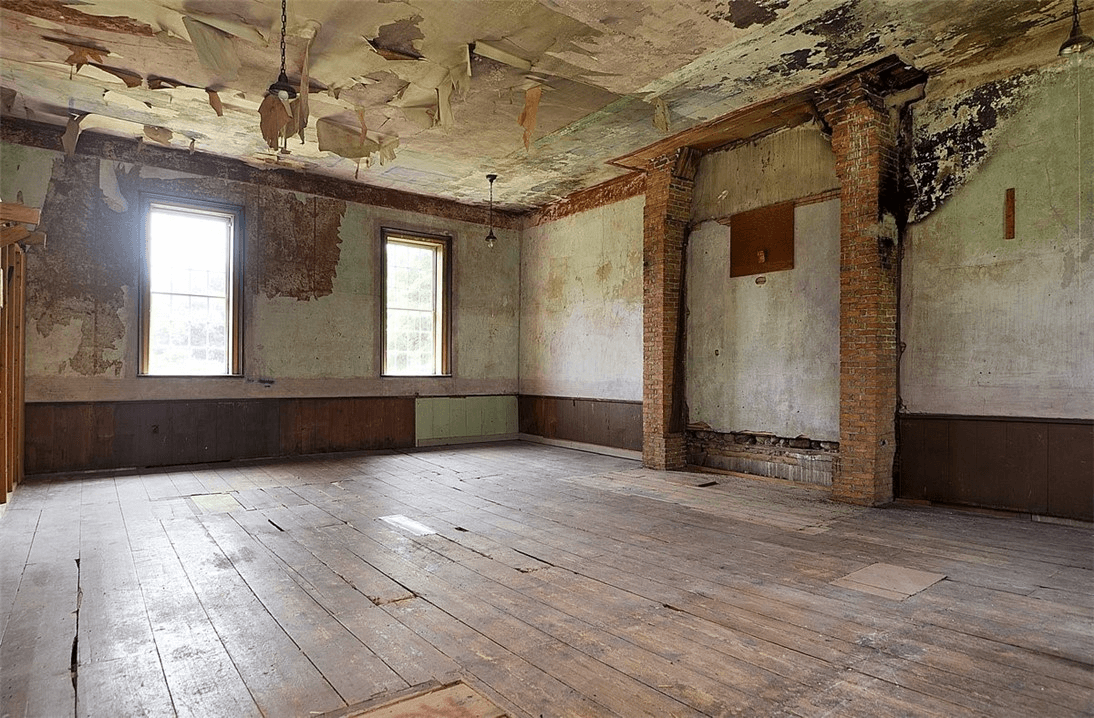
554, 582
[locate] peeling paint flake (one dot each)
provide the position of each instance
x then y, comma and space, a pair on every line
131, 79
344, 141
108, 184
497, 53
444, 105
162, 135
71, 135
215, 48
274, 117
661, 115
83, 54
215, 103
527, 118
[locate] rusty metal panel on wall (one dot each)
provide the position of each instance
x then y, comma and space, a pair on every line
762, 240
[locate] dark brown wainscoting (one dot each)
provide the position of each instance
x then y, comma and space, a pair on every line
603, 422
1040, 466
110, 435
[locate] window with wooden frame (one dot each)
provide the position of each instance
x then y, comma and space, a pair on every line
190, 289
416, 271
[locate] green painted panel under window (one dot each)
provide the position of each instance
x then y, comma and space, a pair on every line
464, 417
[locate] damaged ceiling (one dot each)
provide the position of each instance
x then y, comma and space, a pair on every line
428, 96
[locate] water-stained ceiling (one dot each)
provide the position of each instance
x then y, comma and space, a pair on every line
429, 95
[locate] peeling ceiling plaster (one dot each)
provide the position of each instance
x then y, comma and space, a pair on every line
406, 105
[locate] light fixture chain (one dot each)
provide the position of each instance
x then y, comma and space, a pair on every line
284, 22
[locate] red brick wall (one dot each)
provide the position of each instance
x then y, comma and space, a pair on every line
863, 142
610, 192
669, 184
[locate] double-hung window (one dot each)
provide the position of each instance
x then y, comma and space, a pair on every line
416, 270
190, 288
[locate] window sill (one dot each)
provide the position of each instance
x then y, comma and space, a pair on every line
190, 376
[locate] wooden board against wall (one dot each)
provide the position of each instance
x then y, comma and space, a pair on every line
762, 240
12, 345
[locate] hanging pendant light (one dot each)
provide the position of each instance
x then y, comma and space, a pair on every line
491, 238
274, 115
1076, 42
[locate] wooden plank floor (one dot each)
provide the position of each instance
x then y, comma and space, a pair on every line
556, 583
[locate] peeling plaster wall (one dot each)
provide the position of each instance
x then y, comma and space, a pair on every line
24, 174
581, 304
765, 358
311, 288
994, 326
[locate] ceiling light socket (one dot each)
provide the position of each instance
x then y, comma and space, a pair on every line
1076, 42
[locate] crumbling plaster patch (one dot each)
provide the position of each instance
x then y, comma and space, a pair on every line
300, 243
954, 135
81, 274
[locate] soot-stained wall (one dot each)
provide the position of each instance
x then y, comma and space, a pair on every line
996, 326
311, 288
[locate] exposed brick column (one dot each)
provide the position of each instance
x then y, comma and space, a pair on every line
863, 139
669, 183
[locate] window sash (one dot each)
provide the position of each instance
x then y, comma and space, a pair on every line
189, 309
408, 350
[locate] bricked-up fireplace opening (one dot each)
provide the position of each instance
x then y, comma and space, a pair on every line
798, 459
855, 110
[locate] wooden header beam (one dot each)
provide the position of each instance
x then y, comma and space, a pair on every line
781, 112
15, 212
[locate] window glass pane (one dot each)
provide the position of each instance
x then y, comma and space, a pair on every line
189, 256
410, 276
413, 320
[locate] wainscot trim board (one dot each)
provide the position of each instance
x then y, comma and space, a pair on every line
80, 436
603, 422
1037, 466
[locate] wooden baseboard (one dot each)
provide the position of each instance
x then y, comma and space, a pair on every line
581, 446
